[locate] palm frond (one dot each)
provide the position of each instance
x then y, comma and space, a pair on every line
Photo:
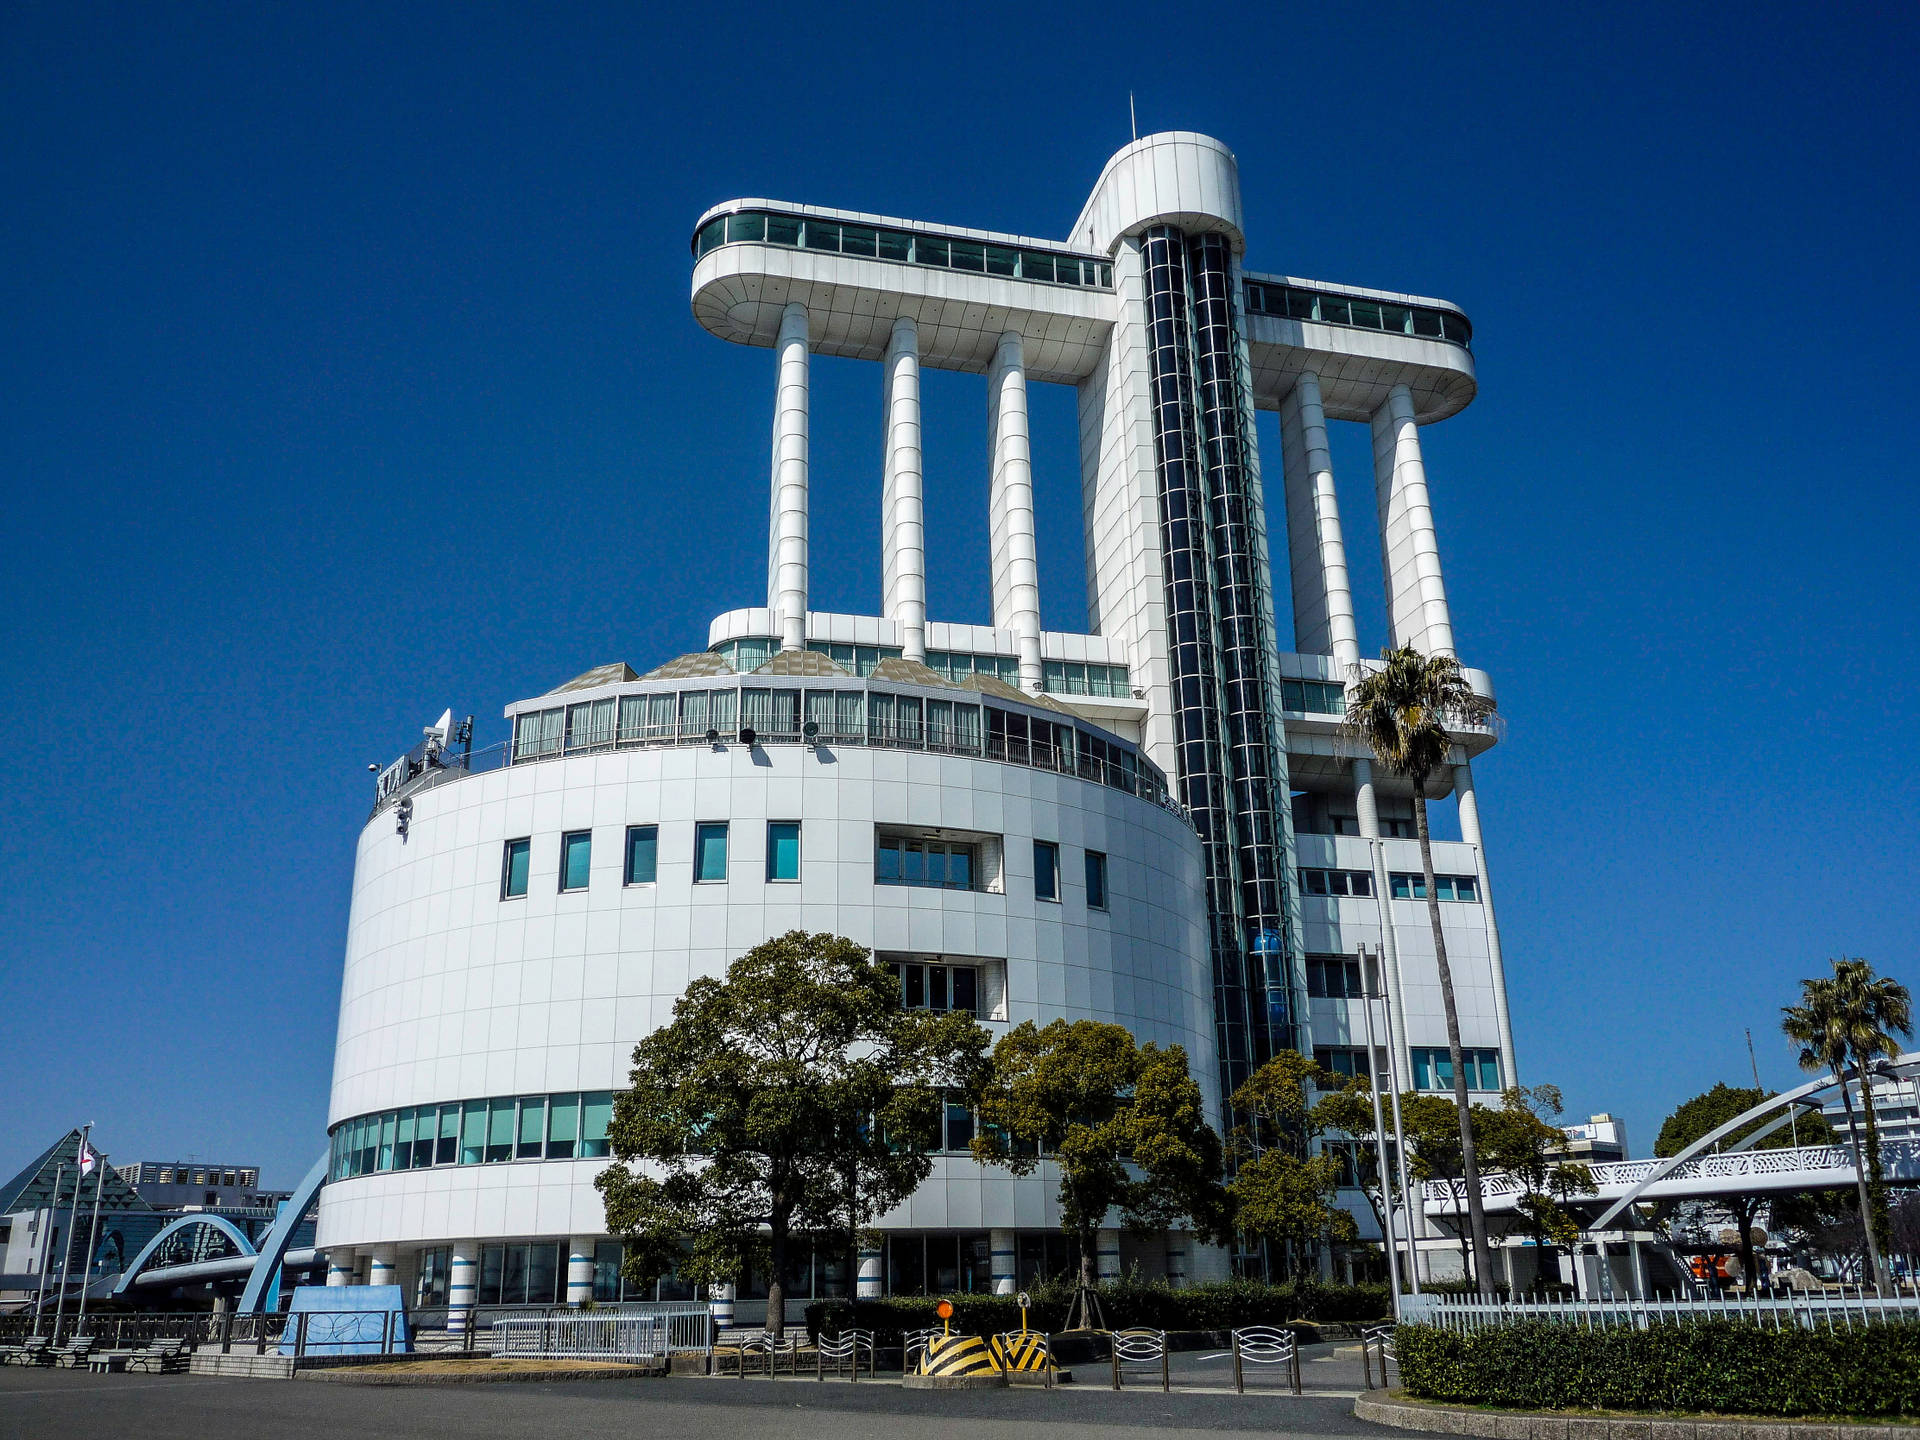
1405, 711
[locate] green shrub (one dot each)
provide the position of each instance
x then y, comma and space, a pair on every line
1223, 1306
1728, 1366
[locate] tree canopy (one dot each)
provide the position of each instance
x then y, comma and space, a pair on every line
1124, 1123
796, 1096
1281, 1192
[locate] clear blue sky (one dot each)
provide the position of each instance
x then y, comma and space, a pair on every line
346, 374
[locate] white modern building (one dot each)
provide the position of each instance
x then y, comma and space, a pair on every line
1156, 823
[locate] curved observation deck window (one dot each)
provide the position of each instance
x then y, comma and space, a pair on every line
1328, 307
902, 247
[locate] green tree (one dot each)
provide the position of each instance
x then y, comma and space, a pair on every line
795, 1097
1707, 1112
1848, 1020
1524, 1144
1402, 712
1281, 1192
1123, 1122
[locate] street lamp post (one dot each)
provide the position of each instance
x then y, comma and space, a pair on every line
1382, 1168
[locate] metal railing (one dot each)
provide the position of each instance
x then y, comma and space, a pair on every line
581, 1337
1832, 1312
1265, 1345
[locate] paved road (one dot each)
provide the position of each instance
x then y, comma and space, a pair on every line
54, 1405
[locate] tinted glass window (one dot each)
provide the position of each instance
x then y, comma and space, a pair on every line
513, 876
643, 853
783, 850
710, 852
576, 855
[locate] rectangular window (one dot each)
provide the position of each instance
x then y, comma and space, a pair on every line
1343, 1060
710, 851
959, 1126
1337, 882
563, 1126
436, 1264
1046, 870
576, 856
938, 987
596, 1114
473, 1133
783, 850
533, 1127
1096, 880
1445, 887
937, 864
643, 853
1433, 1069
499, 1130
513, 869
1333, 977
449, 1148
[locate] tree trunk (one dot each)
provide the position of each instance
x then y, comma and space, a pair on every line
1746, 1208
1879, 1222
1871, 1261
1469, 1161
776, 1281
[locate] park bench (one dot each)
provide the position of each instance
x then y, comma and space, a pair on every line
27, 1352
71, 1355
159, 1357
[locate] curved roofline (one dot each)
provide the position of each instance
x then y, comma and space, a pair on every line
889, 222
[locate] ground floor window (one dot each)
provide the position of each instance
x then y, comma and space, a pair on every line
522, 1274
943, 1264
430, 1290
1043, 1256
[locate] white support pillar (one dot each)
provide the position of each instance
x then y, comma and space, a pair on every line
380, 1266
1367, 806
1006, 1269
1469, 805
340, 1265
579, 1270
463, 1285
1016, 571
720, 1302
787, 577
1323, 622
1410, 553
872, 1280
902, 523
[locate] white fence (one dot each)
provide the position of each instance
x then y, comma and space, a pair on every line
1827, 1311
581, 1337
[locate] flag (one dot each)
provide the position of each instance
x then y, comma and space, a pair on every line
86, 1159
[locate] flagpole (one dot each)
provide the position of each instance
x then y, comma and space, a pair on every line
73, 1219
93, 1239
46, 1247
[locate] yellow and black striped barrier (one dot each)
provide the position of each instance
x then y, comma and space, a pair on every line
1021, 1351
958, 1355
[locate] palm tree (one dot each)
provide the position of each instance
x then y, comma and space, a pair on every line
1401, 711
1848, 1021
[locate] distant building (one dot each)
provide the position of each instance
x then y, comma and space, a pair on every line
1601, 1139
1896, 1108
182, 1184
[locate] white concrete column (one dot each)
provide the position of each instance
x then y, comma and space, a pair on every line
1323, 622
340, 1265
872, 1282
720, 1301
463, 1285
903, 595
1106, 1244
1016, 570
1469, 805
1367, 806
1410, 553
1006, 1258
1178, 1242
579, 1270
380, 1266
787, 577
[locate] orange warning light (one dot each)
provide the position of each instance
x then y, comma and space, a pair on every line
944, 1309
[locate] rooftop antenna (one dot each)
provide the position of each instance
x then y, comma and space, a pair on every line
1133, 120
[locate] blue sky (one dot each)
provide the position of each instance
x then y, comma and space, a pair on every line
349, 375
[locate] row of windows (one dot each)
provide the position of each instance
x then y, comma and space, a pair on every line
1336, 882
1446, 887
148, 1173
929, 986
880, 718
1070, 677
1334, 977
902, 246
1313, 697
1057, 677
1432, 1069
1329, 309
568, 1126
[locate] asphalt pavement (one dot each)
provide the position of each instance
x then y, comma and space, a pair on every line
55, 1405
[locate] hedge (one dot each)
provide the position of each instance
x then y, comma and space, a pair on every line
1222, 1306
1722, 1366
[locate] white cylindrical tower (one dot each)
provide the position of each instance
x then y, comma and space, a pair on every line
787, 586
1016, 571
903, 528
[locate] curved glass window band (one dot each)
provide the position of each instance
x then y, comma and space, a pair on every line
904, 247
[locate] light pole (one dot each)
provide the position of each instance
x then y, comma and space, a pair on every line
1382, 1168
1399, 1129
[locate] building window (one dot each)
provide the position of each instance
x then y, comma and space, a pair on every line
1433, 1069
1313, 697
1343, 1060
1333, 977
936, 864
710, 851
926, 986
1336, 882
513, 869
1046, 870
576, 858
436, 1265
783, 850
643, 853
1447, 887
522, 1274
1392, 827
1096, 880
